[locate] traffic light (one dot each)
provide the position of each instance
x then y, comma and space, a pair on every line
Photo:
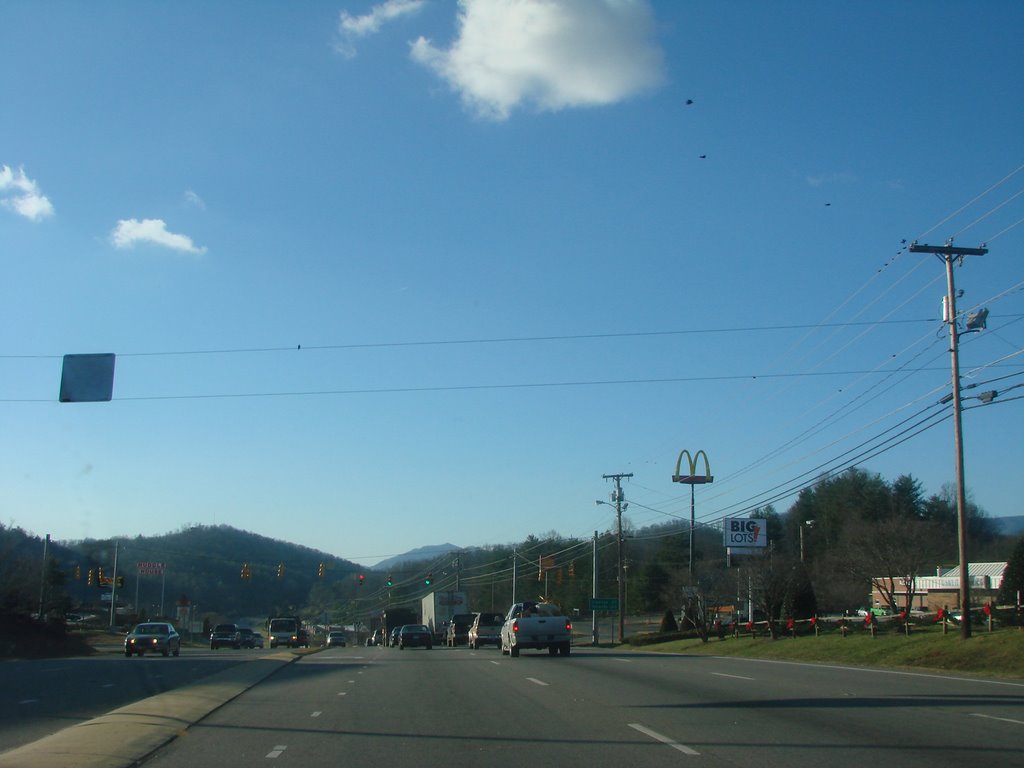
280, 570
320, 572
390, 582
572, 570
429, 579
362, 579
78, 573
120, 581
100, 577
91, 578
246, 571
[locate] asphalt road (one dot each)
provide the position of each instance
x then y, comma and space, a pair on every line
382, 706
40, 697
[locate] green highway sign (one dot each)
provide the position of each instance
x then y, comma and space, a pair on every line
604, 603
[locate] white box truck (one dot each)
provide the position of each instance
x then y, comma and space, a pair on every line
438, 609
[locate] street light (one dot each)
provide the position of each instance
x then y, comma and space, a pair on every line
804, 524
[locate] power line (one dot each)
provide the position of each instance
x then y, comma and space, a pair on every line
498, 340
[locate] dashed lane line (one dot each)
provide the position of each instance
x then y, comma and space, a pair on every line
536, 681
276, 751
663, 739
1000, 719
734, 677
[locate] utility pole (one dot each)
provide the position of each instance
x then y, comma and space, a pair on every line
593, 613
618, 498
42, 578
947, 254
113, 590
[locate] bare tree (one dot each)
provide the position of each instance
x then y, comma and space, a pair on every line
891, 554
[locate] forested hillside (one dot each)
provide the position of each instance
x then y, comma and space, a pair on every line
823, 552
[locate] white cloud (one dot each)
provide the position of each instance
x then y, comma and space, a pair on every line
352, 28
191, 198
128, 232
551, 54
21, 194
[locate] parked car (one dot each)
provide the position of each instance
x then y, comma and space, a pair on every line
336, 639
257, 640
458, 629
486, 629
225, 634
374, 639
412, 635
152, 637
393, 640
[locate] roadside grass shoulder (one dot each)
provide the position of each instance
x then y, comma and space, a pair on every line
997, 654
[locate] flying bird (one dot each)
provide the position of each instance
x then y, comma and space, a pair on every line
703, 157
689, 102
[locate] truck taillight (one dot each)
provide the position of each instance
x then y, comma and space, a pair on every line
568, 626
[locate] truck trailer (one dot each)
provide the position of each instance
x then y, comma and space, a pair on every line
438, 609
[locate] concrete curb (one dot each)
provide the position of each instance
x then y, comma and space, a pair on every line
126, 736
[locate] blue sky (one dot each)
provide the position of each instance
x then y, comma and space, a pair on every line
380, 275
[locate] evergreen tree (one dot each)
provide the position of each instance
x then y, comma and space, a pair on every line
1013, 577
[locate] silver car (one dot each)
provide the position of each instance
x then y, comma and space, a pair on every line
152, 637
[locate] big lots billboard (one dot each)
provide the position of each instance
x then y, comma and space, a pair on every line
745, 532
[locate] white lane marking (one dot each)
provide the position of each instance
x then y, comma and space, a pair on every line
343, 693
1000, 719
630, 661
276, 751
535, 680
29, 701
734, 677
316, 714
871, 671
498, 663
663, 739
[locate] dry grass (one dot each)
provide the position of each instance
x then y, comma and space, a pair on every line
997, 654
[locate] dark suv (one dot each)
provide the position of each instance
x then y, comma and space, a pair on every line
458, 629
225, 634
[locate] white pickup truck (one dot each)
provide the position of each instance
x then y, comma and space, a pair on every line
536, 625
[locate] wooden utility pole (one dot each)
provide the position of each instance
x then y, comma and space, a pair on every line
618, 498
947, 253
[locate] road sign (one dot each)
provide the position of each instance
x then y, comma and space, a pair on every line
604, 603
